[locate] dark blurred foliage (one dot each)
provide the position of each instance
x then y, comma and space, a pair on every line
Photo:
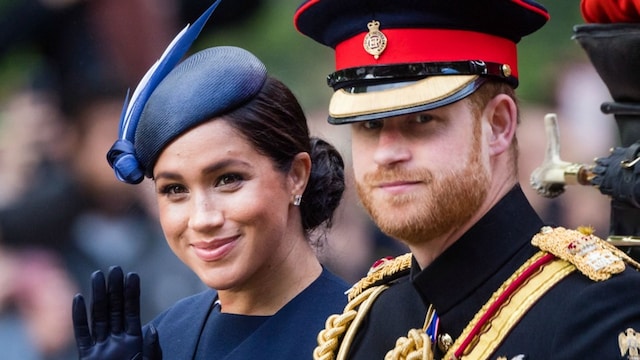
79, 47
543, 55
265, 27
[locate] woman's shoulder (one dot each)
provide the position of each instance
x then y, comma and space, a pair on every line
326, 294
329, 282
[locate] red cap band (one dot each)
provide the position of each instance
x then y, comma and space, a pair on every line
428, 45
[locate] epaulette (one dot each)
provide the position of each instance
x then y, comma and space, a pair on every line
592, 256
383, 271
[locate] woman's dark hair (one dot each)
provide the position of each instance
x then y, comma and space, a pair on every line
274, 122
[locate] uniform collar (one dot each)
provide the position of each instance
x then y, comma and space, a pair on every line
497, 243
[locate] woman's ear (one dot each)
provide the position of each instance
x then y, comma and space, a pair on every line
502, 115
299, 173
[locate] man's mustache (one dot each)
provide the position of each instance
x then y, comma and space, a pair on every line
384, 176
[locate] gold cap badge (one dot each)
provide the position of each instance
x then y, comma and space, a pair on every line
375, 41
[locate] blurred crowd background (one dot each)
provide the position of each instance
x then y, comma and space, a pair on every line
65, 67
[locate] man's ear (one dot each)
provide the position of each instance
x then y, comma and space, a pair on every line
502, 115
299, 173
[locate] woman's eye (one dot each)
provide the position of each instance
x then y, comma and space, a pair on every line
173, 189
228, 179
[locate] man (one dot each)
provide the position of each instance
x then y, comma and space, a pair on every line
428, 90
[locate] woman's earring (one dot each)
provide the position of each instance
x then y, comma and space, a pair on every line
297, 199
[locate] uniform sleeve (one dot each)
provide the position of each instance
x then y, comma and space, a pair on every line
596, 320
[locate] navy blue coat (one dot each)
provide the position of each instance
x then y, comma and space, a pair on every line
289, 334
577, 319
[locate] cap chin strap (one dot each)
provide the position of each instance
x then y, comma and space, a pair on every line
384, 74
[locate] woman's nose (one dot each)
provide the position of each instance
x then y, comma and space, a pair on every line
205, 215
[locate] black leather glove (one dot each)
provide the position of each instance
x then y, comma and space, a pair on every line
116, 331
620, 182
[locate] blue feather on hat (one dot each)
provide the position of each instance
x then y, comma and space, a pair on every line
121, 156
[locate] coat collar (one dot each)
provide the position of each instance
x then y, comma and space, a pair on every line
497, 243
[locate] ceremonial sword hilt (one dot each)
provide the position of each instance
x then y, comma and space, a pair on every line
550, 178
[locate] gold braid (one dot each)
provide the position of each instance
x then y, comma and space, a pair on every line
340, 329
384, 273
416, 346
337, 325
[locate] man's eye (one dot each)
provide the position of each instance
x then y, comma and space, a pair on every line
372, 124
423, 118
228, 179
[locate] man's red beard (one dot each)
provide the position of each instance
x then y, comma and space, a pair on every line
439, 204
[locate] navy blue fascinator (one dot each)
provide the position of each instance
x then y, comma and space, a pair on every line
171, 99
207, 84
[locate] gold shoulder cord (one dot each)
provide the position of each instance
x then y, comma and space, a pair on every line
336, 338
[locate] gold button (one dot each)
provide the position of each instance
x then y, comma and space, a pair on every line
444, 342
506, 70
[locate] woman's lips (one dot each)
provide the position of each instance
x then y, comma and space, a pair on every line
214, 250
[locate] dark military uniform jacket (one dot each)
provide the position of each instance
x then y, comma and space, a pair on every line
578, 318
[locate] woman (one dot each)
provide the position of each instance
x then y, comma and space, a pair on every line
240, 187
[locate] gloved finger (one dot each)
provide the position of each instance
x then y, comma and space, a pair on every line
151, 347
133, 325
84, 341
598, 169
596, 181
99, 307
116, 299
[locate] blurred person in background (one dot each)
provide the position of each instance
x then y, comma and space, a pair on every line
34, 324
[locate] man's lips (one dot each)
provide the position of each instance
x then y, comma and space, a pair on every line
396, 187
215, 249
